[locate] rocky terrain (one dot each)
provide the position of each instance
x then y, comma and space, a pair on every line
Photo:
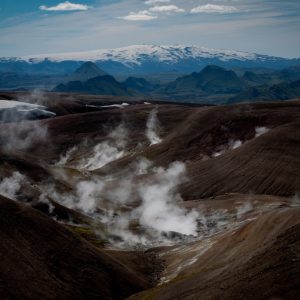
118, 197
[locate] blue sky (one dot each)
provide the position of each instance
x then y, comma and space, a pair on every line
53, 26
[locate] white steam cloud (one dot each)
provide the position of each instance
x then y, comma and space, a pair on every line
22, 135
140, 207
64, 158
232, 144
21, 132
160, 208
146, 196
260, 131
111, 149
10, 186
152, 128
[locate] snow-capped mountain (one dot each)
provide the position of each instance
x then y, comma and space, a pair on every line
150, 59
136, 54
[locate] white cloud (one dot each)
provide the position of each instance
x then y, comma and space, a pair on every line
166, 8
143, 15
65, 6
153, 2
212, 8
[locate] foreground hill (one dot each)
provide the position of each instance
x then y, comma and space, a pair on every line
258, 261
150, 200
222, 146
42, 259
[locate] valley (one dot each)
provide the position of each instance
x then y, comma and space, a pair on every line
121, 197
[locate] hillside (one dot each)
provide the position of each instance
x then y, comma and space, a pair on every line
150, 200
41, 259
234, 267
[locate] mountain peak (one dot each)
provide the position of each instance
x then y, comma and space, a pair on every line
87, 71
213, 68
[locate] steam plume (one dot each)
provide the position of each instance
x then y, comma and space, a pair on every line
160, 208
23, 135
10, 186
111, 149
152, 128
260, 131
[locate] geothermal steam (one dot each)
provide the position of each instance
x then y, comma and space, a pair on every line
146, 194
111, 149
10, 186
260, 131
23, 135
154, 202
232, 144
152, 128
160, 207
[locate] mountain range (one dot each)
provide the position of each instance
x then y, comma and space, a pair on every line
196, 74
90, 79
144, 59
213, 84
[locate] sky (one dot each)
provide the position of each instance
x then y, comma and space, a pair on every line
29, 27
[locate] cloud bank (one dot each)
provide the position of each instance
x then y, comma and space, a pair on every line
166, 8
65, 6
153, 2
143, 15
213, 8
157, 7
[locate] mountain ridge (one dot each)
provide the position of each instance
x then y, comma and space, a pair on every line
143, 59
159, 51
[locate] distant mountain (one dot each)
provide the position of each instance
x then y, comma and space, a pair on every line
281, 91
100, 85
252, 78
140, 85
287, 74
86, 71
10, 80
144, 59
291, 73
211, 80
